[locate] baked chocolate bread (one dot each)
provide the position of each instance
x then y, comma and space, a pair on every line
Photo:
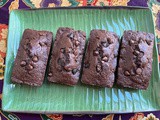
31, 60
135, 63
101, 59
66, 58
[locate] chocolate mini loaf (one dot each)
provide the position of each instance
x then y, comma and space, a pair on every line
135, 63
66, 58
31, 60
101, 59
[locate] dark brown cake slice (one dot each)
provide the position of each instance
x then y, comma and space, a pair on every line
135, 63
66, 58
101, 59
31, 60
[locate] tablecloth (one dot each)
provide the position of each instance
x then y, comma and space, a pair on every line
6, 6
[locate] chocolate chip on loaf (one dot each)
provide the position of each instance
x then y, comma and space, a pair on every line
66, 59
136, 51
100, 59
23, 63
31, 60
35, 59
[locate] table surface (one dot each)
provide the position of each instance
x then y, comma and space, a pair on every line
6, 6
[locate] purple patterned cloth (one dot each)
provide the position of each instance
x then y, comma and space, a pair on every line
142, 3
8, 5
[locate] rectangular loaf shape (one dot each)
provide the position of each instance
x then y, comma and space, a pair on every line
101, 59
66, 58
135, 63
31, 60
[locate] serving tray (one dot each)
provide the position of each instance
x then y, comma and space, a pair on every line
56, 98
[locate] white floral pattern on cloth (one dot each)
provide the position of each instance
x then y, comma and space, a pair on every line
109, 2
2, 71
150, 117
156, 15
119, 2
3, 45
109, 117
14, 5
102, 3
137, 116
140, 116
65, 3
51, 5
